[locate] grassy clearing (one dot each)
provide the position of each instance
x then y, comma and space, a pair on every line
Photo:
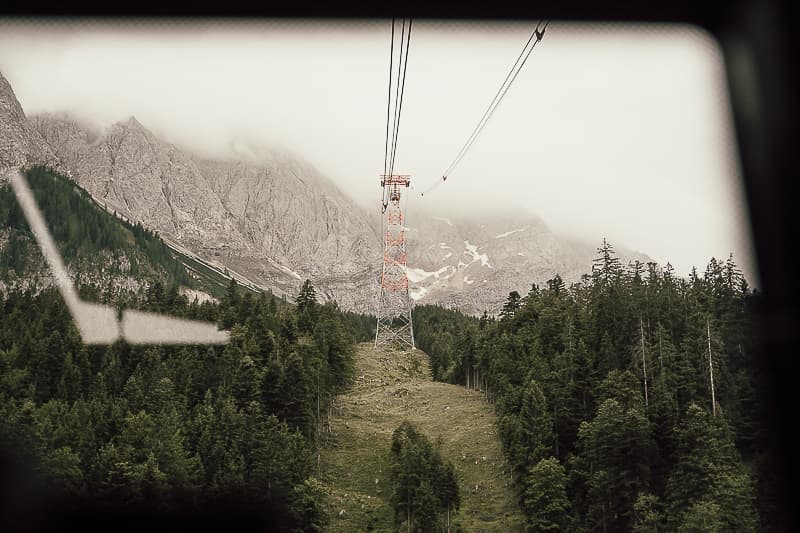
394, 386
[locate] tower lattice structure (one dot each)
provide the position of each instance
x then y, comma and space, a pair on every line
394, 305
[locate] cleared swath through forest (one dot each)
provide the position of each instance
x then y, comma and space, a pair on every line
393, 386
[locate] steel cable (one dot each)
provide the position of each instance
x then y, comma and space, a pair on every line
402, 85
487, 115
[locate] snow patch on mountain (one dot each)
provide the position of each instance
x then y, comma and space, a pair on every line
506, 234
472, 249
415, 275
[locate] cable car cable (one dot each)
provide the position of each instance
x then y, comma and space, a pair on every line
491, 104
404, 60
397, 95
388, 103
494, 104
505, 90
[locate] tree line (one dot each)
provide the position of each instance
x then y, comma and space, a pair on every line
176, 428
627, 401
89, 238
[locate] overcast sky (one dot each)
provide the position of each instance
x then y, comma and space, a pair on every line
615, 131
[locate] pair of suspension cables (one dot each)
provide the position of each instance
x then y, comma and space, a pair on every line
398, 81
537, 33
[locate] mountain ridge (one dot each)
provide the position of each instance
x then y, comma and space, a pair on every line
277, 219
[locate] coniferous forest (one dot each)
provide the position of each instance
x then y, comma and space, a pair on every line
187, 432
182, 429
628, 401
88, 237
603, 392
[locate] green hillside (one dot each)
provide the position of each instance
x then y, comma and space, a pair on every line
391, 387
104, 250
632, 401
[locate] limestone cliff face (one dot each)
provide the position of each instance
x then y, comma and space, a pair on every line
274, 217
288, 211
20, 144
277, 220
144, 178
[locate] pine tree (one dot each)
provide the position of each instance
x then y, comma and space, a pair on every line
702, 517
606, 266
545, 499
70, 383
623, 387
62, 469
424, 489
424, 509
536, 424
556, 285
647, 515
616, 446
512, 304
709, 468
156, 299
246, 386
297, 395
306, 302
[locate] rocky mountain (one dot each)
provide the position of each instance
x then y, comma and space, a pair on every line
20, 143
144, 178
271, 217
288, 211
98, 249
472, 264
275, 219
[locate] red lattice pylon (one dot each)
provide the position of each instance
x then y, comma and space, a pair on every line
394, 305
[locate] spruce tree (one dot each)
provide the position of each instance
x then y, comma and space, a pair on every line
545, 499
306, 301
709, 468
512, 304
648, 517
617, 448
536, 422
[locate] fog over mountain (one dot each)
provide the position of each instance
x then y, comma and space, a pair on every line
608, 131
276, 219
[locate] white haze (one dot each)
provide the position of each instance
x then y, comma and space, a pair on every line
613, 131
